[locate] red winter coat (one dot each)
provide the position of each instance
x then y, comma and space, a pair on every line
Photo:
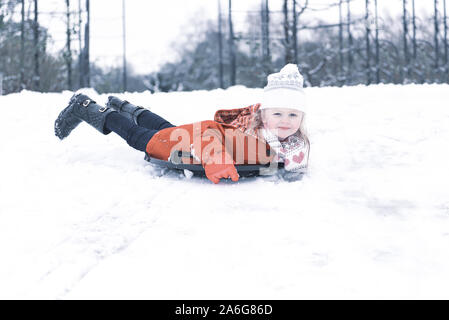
206, 140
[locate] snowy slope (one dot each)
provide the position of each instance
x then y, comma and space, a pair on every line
89, 218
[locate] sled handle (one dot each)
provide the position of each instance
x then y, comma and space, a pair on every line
177, 155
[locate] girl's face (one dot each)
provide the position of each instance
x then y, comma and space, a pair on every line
281, 121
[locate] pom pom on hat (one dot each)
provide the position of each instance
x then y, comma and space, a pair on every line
285, 90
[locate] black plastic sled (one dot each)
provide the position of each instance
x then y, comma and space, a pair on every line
250, 170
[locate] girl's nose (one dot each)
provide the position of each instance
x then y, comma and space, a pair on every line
285, 119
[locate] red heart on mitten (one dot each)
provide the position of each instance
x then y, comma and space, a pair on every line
286, 162
299, 158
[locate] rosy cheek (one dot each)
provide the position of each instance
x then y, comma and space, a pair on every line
268, 125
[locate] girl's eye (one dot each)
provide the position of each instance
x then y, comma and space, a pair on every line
293, 115
276, 114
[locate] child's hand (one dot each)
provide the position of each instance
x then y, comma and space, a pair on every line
214, 172
220, 165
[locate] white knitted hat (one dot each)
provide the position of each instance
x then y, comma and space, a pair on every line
285, 90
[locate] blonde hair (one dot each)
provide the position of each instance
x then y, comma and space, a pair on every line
256, 123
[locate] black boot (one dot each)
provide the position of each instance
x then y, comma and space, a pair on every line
81, 108
125, 108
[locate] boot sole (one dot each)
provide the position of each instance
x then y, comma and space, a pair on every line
65, 123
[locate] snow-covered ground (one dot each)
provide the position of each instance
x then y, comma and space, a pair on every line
89, 218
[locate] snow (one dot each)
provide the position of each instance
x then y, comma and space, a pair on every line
88, 218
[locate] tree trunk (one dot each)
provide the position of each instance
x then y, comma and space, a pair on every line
220, 46
265, 24
36, 47
22, 47
287, 43
80, 44
125, 75
295, 34
377, 45
405, 35
68, 55
262, 31
340, 37
367, 40
267, 35
436, 46
350, 43
86, 55
231, 46
445, 42
414, 29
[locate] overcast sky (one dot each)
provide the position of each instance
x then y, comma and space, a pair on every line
153, 25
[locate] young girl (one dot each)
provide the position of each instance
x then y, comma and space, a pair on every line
269, 132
